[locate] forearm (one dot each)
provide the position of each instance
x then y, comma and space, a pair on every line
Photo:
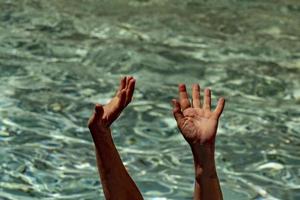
116, 182
207, 185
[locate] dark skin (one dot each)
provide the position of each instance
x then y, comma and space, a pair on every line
197, 123
116, 182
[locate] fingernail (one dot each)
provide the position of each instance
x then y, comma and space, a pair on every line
181, 87
207, 90
196, 86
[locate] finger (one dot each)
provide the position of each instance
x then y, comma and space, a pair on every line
178, 115
128, 81
196, 96
119, 106
122, 83
219, 109
121, 100
207, 99
183, 97
130, 90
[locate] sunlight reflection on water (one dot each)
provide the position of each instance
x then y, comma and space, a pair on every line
58, 58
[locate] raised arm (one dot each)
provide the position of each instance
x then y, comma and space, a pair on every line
116, 182
198, 125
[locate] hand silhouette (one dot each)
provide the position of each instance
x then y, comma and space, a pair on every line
198, 124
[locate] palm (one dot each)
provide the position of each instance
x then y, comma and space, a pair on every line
197, 124
111, 111
105, 115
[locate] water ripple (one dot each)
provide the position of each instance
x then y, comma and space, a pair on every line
58, 58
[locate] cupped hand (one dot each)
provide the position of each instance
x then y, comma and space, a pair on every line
105, 115
197, 123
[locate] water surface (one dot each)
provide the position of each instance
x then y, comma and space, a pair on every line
57, 58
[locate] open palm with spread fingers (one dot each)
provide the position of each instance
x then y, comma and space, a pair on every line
197, 123
105, 115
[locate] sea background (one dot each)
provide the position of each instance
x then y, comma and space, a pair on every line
59, 57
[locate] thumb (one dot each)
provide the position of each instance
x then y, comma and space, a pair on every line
178, 115
98, 110
97, 115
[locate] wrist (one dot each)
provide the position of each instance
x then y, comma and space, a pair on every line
203, 155
206, 149
100, 132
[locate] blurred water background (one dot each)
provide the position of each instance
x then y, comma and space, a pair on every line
59, 57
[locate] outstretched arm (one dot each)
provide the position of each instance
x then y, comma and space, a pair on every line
198, 125
116, 182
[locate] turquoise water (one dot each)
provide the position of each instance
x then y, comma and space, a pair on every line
57, 58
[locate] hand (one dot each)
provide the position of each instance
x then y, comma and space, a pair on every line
198, 124
105, 115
